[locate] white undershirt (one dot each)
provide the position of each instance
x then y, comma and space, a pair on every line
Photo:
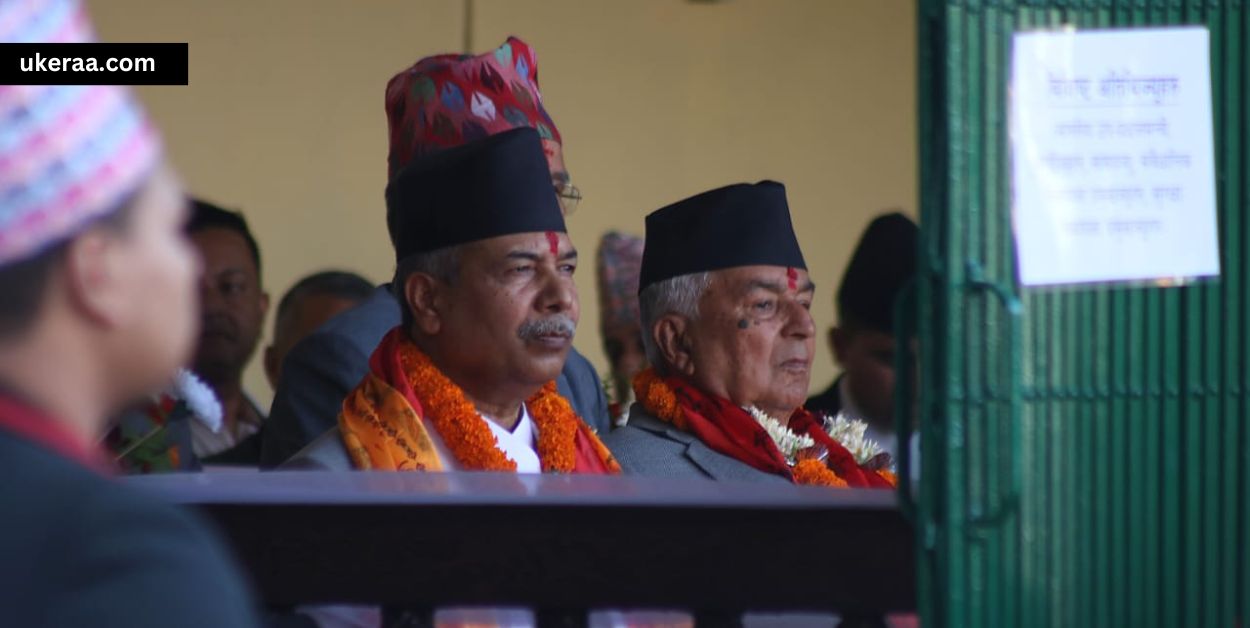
205, 442
518, 445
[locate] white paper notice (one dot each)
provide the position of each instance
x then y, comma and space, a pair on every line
1113, 175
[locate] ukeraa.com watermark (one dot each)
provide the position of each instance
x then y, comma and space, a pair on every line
93, 64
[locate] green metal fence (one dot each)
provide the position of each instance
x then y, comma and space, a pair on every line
1086, 452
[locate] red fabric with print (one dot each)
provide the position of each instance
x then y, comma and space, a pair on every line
32, 425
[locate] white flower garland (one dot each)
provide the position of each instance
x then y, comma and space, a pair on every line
850, 434
200, 399
787, 441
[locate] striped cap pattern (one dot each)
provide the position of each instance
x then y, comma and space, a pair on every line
68, 154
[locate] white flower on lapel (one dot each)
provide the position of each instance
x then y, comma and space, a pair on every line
789, 443
200, 399
850, 434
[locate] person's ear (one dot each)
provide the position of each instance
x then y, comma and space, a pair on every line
93, 272
671, 334
421, 292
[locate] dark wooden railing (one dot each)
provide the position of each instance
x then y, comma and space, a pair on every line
557, 542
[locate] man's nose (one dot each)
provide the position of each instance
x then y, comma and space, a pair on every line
558, 295
799, 323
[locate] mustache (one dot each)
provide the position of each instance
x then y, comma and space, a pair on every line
556, 325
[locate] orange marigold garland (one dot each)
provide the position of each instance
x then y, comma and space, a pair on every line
558, 425
557, 429
888, 476
814, 472
468, 437
658, 398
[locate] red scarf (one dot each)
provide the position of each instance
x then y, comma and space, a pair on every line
29, 424
728, 429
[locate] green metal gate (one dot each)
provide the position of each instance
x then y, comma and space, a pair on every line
1086, 452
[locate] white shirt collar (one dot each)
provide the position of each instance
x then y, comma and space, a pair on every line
519, 444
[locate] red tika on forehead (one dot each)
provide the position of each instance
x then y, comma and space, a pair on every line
792, 276
553, 241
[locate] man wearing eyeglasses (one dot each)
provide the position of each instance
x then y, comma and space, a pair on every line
440, 102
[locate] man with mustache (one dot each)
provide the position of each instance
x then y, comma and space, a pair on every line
484, 276
232, 308
442, 101
725, 298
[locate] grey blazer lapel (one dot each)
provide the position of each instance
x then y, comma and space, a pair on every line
713, 464
722, 467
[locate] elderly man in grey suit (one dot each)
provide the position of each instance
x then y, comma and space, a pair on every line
725, 300
323, 368
489, 310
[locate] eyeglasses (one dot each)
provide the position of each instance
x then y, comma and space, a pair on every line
569, 196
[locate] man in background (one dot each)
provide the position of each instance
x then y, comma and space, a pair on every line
232, 310
618, 266
312, 301
863, 341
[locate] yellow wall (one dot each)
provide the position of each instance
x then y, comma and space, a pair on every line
656, 99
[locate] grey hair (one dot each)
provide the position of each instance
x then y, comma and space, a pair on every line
442, 264
679, 295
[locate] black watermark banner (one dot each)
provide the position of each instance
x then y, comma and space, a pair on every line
93, 64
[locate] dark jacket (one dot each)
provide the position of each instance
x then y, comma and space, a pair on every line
829, 402
80, 549
324, 367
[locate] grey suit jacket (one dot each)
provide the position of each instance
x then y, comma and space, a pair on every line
326, 453
324, 367
650, 447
